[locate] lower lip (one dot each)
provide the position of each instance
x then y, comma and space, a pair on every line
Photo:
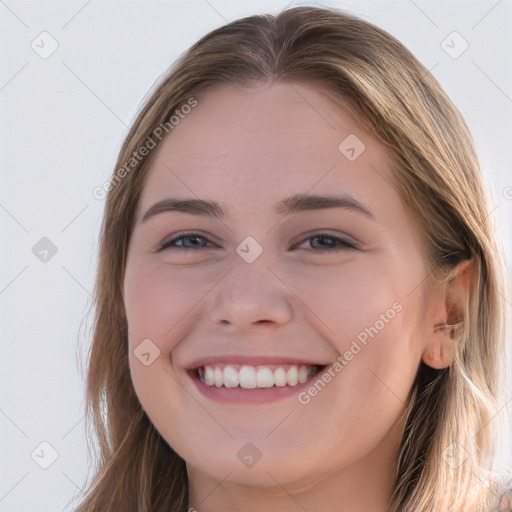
250, 396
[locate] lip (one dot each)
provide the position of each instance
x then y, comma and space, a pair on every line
253, 361
252, 396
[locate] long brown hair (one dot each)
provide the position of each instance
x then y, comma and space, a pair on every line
437, 174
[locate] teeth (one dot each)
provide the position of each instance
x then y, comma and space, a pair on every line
247, 377
231, 377
209, 376
292, 376
303, 374
219, 377
280, 377
264, 378
250, 377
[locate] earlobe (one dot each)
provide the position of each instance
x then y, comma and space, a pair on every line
440, 351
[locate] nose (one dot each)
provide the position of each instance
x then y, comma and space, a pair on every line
251, 294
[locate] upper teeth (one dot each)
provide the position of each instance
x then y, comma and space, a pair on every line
261, 376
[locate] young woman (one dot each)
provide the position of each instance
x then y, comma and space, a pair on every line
300, 295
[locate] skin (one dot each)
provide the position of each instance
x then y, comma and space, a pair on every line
248, 148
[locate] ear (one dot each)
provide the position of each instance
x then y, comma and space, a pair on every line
445, 316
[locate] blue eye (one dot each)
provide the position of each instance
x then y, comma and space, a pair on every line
170, 243
335, 243
195, 241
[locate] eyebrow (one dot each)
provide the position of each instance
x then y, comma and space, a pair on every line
294, 204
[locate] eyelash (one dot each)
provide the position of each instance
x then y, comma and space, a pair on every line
345, 244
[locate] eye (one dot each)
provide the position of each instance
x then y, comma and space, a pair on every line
328, 243
194, 239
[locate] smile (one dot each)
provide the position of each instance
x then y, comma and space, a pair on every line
255, 377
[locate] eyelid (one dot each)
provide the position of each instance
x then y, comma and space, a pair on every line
164, 244
325, 234
346, 242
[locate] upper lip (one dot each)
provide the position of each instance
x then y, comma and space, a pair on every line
253, 361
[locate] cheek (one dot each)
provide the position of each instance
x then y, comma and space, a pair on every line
158, 302
161, 305
368, 315
349, 299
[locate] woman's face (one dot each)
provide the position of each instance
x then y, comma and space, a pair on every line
273, 285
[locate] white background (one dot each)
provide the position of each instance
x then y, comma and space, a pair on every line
62, 120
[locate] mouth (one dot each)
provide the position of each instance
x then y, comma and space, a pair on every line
243, 380
261, 376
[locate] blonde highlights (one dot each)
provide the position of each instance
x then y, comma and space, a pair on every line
435, 171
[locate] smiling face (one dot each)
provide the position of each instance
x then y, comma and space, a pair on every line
272, 284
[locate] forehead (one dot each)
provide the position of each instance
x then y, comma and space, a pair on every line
255, 145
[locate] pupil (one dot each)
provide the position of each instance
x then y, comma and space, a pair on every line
195, 240
324, 239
